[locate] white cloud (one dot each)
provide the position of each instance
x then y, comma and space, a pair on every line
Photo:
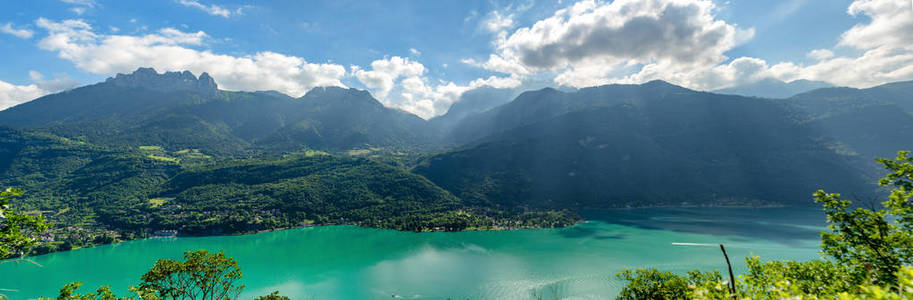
497, 82
19, 33
427, 100
496, 22
81, 5
384, 73
170, 49
415, 51
86, 3
12, 95
400, 82
820, 54
885, 42
59, 83
682, 41
212, 9
891, 24
611, 35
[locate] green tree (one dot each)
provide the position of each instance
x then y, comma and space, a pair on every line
870, 251
17, 231
201, 276
68, 292
273, 296
654, 284
873, 244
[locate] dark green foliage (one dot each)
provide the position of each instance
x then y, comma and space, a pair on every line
261, 194
273, 296
776, 279
874, 244
68, 292
97, 195
654, 284
18, 232
201, 276
250, 195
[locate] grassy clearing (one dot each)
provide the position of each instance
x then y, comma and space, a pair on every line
156, 202
311, 153
359, 152
163, 158
191, 154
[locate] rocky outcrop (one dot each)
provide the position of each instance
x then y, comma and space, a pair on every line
168, 82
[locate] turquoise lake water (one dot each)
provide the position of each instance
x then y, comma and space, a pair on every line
348, 262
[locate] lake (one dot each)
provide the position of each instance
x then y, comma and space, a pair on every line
348, 262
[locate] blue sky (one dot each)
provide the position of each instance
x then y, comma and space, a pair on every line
421, 55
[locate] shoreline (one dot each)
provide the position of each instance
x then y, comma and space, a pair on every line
578, 222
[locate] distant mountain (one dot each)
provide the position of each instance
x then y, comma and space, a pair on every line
115, 151
534, 106
773, 88
333, 118
636, 145
873, 122
181, 111
470, 103
482, 99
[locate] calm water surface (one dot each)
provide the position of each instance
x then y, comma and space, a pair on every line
347, 262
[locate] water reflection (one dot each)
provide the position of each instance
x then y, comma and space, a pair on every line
787, 225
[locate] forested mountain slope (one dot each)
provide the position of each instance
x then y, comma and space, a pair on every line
180, 111
651, 144
873, 122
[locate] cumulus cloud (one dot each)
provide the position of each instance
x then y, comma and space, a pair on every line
496, 21
614, 35
887, 45
682, 41
81, 5
385, 72
60, 82
21, 33
891, 24
401, 83
12, 95
173, 50
86, 3
427, 100
212, 9
820, 54
884, 44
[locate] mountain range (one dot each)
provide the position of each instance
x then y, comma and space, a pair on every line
180, 111
773, 88
128, 150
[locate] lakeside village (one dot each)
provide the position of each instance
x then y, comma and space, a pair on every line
63, 238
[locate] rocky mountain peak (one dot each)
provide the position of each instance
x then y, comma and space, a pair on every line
168, 82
